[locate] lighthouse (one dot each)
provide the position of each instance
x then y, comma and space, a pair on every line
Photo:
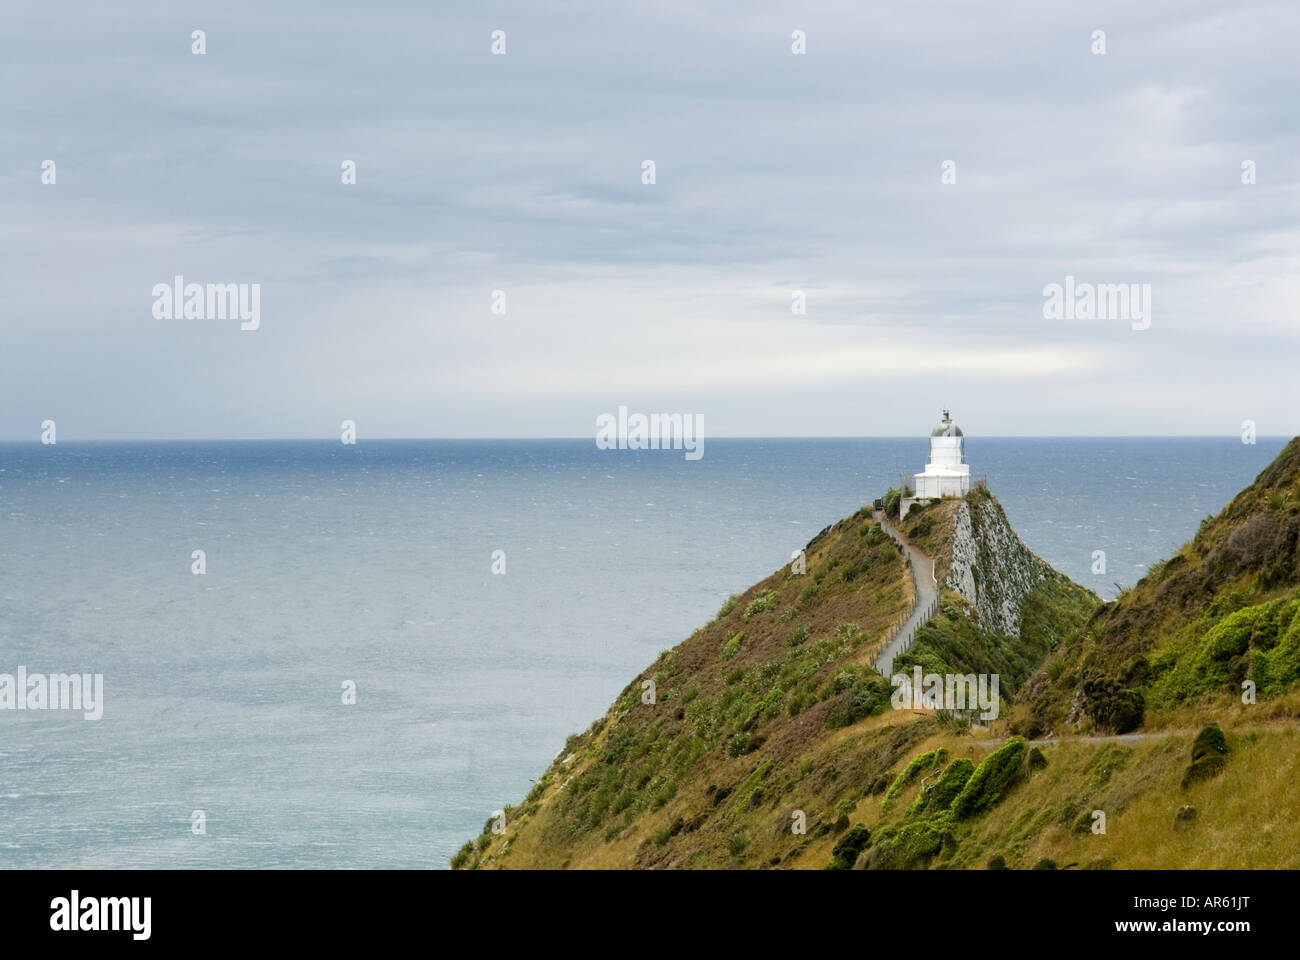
946, 473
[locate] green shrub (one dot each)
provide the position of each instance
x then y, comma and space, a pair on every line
762, 602
919, 765
939, 796
750, 784
983, 790
1209, 756
462, 855
1112, 706
732, 646
913, 844
891, 503
864, 695
797, 636
845, 852
739, 744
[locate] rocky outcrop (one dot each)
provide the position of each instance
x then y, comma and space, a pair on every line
991, 566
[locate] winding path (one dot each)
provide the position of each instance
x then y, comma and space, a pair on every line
1124, 738
927, 598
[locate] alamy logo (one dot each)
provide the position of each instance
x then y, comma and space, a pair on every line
179, 300
936, 691
102, 913
58, 691
1098, 301
656, 431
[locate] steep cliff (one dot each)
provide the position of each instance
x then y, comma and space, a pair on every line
1004, 607
990, 565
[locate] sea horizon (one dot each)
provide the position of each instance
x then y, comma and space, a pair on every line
589, 438
374, 564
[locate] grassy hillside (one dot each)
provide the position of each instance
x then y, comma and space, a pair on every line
771, 741
1037, 807
1218, 613
780, 669
772, 707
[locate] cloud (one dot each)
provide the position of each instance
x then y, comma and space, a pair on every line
775, 173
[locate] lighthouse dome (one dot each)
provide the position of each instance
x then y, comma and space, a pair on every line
947, 428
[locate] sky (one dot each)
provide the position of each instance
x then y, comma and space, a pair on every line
775, 172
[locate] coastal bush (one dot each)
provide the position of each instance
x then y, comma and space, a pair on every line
983, 790
1209, 756
865, 695
938, 797
728, 605
1277, 668
1111, 705
891, 503
462, 855
919, 765
764, 601
739, 744
845, 852
912, 844
751, 784
732, 646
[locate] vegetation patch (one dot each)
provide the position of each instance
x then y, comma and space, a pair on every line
938, 797
984, 788
919, 765
1209, 756
764, 601
845, 852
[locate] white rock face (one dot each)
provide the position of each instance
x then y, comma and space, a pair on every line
991, 566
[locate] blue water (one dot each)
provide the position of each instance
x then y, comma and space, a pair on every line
372, 563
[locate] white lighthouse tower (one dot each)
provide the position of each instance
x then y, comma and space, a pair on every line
946, 474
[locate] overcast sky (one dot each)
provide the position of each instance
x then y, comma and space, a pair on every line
523, 172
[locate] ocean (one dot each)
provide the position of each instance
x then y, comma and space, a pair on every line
372, 565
